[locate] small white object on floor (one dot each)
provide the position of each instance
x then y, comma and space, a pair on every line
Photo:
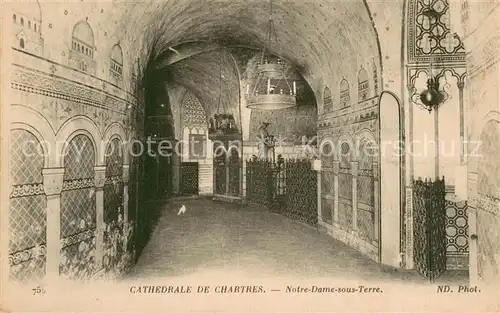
182, 210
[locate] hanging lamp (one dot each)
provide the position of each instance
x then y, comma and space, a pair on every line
222, 123
271, 89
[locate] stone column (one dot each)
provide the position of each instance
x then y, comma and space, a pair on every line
336, 169
376, 201
354, 173
52, 186
126, 177
317, 167
461, 86
99, 179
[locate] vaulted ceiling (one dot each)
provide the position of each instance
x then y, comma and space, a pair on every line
323, 39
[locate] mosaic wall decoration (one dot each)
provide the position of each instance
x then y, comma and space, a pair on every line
193, 113
362, 85
27, 213
78, 214
456, 228
345, 98
327, 100
287, 125
375, 78
429, 33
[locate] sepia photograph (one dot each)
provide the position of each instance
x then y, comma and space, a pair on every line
250, 156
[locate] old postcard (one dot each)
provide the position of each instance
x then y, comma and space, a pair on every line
250, 156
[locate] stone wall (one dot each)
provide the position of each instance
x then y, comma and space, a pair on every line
478, 23
72, 96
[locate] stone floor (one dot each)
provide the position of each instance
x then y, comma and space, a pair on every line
221, 238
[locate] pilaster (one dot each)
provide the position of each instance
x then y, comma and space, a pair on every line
100, 178
52, 186
336, 170
354, 173
376, 200
126, 178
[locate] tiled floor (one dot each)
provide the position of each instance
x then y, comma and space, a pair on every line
222, 237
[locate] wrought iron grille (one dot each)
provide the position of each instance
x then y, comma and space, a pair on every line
78, 213
234, 168
133, 197
189, 178
220, 174
260, 184
113, 185
301, 191
113, 204
345, 198
27, 209
327, 192
366, 209
345, 187
429, 227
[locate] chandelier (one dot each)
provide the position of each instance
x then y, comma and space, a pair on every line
435, 95
271, 90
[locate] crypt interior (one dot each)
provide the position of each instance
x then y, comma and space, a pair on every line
360, 137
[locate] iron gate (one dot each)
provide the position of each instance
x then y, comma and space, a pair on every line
301, 183
429, 222
260, 183
189, 178
288, 187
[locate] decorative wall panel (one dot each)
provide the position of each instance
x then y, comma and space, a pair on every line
345, 97
327, 100
27, 213
429, 33
78, 214
457, 247
363, 85
193, 113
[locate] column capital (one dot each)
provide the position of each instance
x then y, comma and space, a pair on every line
100, 176
354, 168
375, 166
336, 167
126, 173
53, 180
461, 84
